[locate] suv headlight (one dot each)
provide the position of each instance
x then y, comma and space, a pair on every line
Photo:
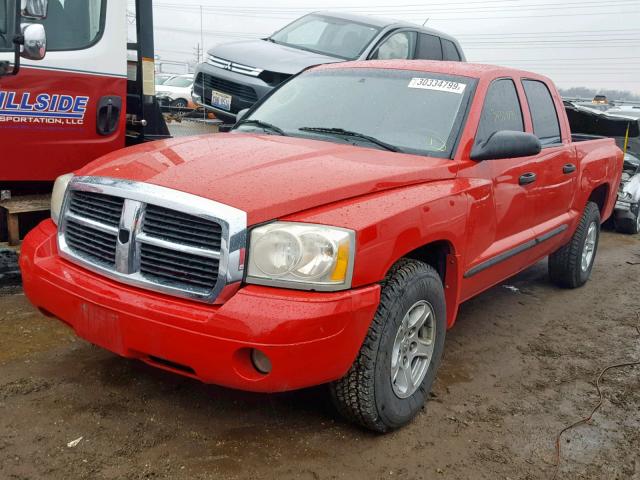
57, 196
301, 256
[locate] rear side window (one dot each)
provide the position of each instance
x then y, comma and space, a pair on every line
450, 51
429, 47
501, 110
74, 24
399, 46
543, 112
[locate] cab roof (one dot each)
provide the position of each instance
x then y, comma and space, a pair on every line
464, 69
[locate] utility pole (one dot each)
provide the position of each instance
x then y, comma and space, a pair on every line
201, 35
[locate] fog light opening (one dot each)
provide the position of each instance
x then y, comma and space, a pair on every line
260, 362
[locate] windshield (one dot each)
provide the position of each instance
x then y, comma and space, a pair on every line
332, 36
5, 34
179, 82
415, 112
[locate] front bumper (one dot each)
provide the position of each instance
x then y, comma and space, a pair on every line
626, 210
310, 338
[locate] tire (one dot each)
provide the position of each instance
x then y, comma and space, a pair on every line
367, 395
566, 268
629, 225
180, 103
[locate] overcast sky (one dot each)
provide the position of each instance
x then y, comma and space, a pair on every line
577, 43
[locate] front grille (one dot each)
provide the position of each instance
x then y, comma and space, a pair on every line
153, 237
181, 228
204, 84
163, 265
95, 206
92, 243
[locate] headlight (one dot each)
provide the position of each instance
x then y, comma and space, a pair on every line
302, 256
57, 196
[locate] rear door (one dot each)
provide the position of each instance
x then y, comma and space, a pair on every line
62, 112
558, 159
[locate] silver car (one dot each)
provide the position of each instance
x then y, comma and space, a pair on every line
237, 74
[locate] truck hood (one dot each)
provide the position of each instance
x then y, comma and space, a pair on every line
270, 56
268, 176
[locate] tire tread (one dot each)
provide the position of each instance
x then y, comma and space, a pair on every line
353, 394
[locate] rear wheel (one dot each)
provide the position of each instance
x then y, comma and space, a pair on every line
571, 265
390, 379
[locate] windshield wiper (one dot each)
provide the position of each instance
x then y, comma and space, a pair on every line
261, 124
350, 133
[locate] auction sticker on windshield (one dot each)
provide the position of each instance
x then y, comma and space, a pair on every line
440, 85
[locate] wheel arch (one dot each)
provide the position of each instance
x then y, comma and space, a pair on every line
600, 196
441, 254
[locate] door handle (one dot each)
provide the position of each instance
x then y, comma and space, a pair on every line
568, 168
527, 178
108, 115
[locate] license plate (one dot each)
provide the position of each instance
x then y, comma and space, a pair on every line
101, 327
221, 100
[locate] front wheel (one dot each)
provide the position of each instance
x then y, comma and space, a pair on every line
571, 265
180, 103
390, 379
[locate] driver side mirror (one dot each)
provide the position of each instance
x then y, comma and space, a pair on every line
34, 46
34, 9
507, 144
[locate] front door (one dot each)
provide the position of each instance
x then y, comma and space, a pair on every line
515, 184
60, 113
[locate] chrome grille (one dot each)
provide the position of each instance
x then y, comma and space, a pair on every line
232, 66
95, 244
182, 228
102, 208
191, 271
153, 237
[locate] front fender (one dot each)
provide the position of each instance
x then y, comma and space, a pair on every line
393, 223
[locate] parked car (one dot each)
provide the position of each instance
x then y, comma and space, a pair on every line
331, 237
175, 91
238, 74
160, 78
627, 211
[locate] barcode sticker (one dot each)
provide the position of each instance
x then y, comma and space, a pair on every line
440, 85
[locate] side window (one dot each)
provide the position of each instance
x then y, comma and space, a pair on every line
543, 112
449, 51
400, 45
73, 24
428, 47
501, 110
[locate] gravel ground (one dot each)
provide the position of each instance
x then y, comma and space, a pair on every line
519, 366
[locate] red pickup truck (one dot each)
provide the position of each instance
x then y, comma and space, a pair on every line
332, 235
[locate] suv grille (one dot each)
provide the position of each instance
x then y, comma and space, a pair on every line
151, 240
205, 83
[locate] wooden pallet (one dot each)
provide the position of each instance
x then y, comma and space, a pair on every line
18, 206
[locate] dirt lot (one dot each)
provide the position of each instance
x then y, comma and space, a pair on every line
518, 367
